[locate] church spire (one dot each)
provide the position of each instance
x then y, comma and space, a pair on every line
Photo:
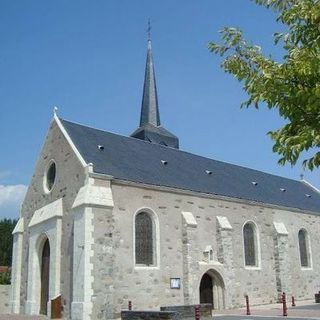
149, 106
150, 129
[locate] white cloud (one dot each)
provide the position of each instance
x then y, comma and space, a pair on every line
11, 197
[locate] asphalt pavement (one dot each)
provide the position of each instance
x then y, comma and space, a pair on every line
305, 310
302, 310
226, 317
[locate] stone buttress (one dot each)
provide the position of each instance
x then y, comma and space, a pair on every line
93, 257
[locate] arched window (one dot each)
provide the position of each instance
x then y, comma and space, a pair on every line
144, 239
250, 245
304, 248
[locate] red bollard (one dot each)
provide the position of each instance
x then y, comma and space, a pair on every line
293, 304
284, 305
197, 312
247, 305
129, 305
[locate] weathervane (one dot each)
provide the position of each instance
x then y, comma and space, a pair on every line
55, 110
149, 29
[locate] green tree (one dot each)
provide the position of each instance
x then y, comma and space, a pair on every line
6, 241
292, 86
5, 278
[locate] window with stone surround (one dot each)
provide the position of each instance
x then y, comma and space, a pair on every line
250, 244
145, 239
304, 248
49, 176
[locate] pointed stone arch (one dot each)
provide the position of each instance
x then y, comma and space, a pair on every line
44, 276
212, 289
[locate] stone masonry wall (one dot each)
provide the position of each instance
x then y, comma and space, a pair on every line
70, 178
187, 312
282, 267
149, 287
302, 282
149, 315
190, 260
103, 264
225, 257
252, 280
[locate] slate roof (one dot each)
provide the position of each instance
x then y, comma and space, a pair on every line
131, 159
157, 135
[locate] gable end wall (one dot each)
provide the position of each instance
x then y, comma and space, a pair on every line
70, 178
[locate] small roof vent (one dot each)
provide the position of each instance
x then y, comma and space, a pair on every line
208, 172
100, 147
254, 183
282, 189
308, 195
164, 162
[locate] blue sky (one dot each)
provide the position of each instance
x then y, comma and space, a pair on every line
88, 58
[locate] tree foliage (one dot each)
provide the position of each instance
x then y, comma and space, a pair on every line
6, 241
292, 86
5, 278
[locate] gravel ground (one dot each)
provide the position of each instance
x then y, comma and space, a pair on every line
20, 317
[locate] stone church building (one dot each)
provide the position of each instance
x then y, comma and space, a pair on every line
108, 219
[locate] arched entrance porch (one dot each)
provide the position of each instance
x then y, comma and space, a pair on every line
44, 258
212, 289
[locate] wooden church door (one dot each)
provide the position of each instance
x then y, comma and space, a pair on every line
206, 292
45, 265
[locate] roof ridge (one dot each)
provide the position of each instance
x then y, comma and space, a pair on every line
121, 135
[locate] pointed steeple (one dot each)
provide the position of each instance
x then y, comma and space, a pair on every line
150, 128
149, 106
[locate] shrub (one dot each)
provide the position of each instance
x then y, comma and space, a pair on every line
5, 277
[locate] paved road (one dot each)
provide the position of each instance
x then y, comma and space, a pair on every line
20, 317
273, 312
305, 311
315, 307
228, 317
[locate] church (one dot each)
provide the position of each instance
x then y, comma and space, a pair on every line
109, 219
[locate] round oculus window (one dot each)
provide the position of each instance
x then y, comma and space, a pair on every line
50, 176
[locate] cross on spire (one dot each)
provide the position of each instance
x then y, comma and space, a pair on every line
149, 29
